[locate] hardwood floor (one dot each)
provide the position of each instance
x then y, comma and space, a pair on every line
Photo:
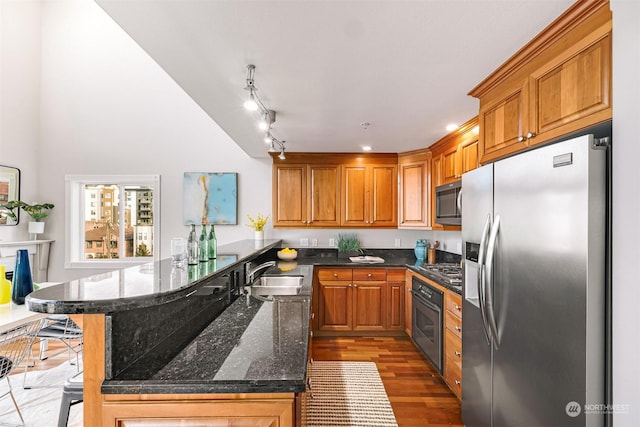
418, 395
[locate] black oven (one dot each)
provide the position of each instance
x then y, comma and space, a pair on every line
449, 203
427, 325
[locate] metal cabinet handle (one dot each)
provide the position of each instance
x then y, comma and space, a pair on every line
369, 275
349, 285
457, 353
355, 286
335, 274
457, 307
457, 382
313, 315
531, 135
458, 328
522, 138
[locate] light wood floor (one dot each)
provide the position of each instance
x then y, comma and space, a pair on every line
418, 395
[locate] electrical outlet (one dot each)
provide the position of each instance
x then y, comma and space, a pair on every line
304, 242
314, 242
398, 243
332, 242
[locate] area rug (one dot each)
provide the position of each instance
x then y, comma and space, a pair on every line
346, 394
39, 405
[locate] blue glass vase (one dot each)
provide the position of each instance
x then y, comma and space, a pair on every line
22, 282
421, 249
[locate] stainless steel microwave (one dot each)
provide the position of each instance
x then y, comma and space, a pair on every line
449, 203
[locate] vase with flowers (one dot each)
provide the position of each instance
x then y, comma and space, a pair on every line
257, 224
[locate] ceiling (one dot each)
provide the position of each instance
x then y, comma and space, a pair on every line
327, 66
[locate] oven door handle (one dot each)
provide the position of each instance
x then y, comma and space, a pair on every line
426, 302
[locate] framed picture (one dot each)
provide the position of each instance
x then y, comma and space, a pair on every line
210, 198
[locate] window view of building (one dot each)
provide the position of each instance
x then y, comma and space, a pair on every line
118, 221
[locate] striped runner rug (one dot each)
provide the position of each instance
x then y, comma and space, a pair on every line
346, 394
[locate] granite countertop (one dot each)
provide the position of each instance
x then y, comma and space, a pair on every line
141, 285
256, 345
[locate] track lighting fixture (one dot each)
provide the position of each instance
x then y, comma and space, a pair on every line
267, 116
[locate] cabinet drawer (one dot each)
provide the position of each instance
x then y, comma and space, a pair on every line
453, 377
453, 323
396, 275
361, 274
335, 274
454, 304
453, 349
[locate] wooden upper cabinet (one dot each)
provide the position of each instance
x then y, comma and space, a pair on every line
341, 190
324, 208
451, 156
573, 90
415, 193
557, 84
290, 195
369, 195
450, 170
468, 155
503, 123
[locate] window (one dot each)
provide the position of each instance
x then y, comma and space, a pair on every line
116, 236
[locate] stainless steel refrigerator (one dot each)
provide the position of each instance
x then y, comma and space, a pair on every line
533, 323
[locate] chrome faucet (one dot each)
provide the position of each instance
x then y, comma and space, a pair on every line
252, 271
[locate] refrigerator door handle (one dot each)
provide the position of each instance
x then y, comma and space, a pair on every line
481, 279
488, 265
459, 201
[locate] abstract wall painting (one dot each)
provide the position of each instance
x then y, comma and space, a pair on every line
210, 198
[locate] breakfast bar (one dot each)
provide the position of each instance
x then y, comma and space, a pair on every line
163, 344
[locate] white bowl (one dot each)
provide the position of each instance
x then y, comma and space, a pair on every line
288, 256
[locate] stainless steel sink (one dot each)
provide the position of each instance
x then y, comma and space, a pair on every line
278, 285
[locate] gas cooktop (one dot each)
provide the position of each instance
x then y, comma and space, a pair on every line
449, 273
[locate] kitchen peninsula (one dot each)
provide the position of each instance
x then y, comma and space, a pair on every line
164, 344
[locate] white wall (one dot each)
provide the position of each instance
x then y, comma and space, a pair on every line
106, 105
626, 211
20, 97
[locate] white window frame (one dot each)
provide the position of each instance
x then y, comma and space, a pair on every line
75, 220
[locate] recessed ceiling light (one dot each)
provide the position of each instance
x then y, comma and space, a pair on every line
366, 148
451, 127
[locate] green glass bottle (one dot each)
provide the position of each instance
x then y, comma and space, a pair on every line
213, 244
203, 247
192, 247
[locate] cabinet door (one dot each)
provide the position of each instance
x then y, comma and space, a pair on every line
368, 306
324, 183
468, 155
502, 125
450, 168
395, 306
572, 91
290, 200
355, 199
408, 303
384, 196
335, 306
414, 194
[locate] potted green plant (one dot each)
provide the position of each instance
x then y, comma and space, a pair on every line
348, 245
37, 212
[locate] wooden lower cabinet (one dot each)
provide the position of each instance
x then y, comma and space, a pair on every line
360, 299
255, 410
453, 342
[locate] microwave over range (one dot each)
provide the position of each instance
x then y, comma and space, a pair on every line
449, 203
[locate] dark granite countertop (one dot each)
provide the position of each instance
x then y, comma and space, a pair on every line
254, 346
141, 285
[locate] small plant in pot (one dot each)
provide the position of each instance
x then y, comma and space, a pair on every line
348, 245
37, 212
